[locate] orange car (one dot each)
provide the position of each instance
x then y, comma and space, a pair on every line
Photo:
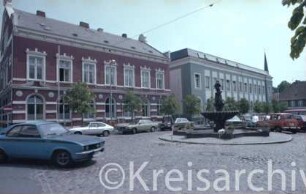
281, 121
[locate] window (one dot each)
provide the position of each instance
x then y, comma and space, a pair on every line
129, 76
207, 82
110, 108
29, 131
250, 88
36, 67
160, 80
228, 85
197, 80
146, 109
35, 108
110, 75
63, 110
90, 114
65, 70
145, 78
234, 86
245, 87
89, 73
14, 132
222, 84
300, 103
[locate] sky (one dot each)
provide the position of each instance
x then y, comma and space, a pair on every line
238, 30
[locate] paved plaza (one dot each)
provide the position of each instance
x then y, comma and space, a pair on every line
143, 156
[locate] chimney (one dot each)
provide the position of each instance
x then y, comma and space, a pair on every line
40, 13
84, 25
100, 29
124, 35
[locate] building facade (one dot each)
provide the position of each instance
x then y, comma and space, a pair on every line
294, 96
41, 58
195, 73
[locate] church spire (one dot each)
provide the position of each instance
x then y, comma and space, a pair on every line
266, 64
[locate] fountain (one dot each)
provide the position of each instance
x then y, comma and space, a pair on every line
219, 116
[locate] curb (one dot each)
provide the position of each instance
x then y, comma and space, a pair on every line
174, 139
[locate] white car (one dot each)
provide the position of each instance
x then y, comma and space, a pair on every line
93, 128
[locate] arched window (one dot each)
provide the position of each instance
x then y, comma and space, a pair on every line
35, 108
110, 108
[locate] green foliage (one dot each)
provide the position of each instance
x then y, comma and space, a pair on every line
210, 104
230, 104
282, 86
132, 103
298, 23
243, 106
169, 105
267, 108
278, 106
258, 107
79, 99
192, 105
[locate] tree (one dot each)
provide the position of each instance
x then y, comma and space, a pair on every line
282, 86
258, 107
275, 106
278, 106
169, 105
267, 108
243, 106
210, 104
79, 98
192, 105
298, 23
230, 104
132, 103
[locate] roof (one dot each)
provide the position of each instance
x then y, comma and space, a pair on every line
197, 54
50, 26
296, 91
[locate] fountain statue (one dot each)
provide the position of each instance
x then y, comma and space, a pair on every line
219, 116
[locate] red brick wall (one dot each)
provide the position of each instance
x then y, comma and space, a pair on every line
22, 44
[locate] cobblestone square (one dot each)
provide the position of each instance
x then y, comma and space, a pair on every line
149, 156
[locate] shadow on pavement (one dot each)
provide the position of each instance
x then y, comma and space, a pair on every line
43, 164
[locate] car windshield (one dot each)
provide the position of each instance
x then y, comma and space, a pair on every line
52, 129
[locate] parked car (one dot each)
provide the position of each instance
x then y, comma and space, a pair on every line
137, 126
302, 121
49, 141
93, 128
166, 124
279, 122
182, 124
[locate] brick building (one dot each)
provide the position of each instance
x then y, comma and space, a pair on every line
41, 58
294, 96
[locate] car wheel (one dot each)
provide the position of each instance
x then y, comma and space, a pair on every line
62, 158
78, 133
3, 156
134, 130
105, 133
153, 129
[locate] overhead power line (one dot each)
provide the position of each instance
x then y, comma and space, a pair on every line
173, 20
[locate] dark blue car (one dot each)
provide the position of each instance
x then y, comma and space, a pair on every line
48, 141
